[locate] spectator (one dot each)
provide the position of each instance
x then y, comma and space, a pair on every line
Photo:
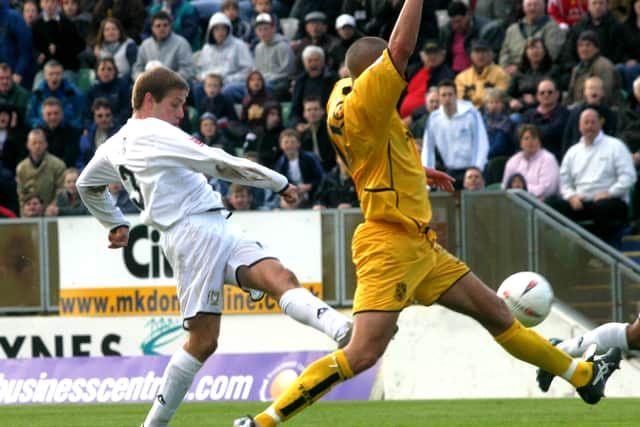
463, 28
32, 206
418, 119
567, 12
347, 34
267, 139
498, 124
131, 13
550, 116
317, 80
481, 75
55, 37
73, 11
239, 27
252, 104
609, 31
121, 198
9, 207
40, 173
238, 198
629, 124
315, 136
215, 102
302, 168
534, 66
165, 47
337, 190
225, 55
595, 178
102, 127
184, 17
535, 23
630, 69
516, 182
433, 71
30, 12
12, 138
63, 139
316, 34
112, 42
473, 179
13, 94
56, 86
273, 56
260, 7
593, 98
538, 167
593, 64
456, 129
208, 133
16, 47
112, 88
67, 201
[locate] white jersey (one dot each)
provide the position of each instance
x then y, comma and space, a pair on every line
163, 170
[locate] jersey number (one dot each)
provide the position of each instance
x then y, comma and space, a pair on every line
130, 183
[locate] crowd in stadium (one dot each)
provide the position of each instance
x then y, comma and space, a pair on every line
509, 93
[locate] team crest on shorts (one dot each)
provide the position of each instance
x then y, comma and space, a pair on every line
214, 297
401, 291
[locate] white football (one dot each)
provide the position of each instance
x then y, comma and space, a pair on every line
528, 295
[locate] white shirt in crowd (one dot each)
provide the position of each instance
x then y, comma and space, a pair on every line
605, 165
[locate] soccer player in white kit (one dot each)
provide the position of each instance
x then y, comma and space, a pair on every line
163, 170
625, 336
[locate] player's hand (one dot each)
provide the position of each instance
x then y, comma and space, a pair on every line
575, 202
439, 180
601, 195
119, 237
290, 194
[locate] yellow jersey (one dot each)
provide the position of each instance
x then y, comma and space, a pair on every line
376, 147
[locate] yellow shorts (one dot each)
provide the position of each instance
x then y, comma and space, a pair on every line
396, 268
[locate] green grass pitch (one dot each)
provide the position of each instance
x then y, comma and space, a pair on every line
432, 413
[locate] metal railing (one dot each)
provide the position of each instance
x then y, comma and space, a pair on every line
496, 233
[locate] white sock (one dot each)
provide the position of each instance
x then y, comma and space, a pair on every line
301, 305
177, 379
605, 337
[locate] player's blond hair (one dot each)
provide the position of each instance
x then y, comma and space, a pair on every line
158, 81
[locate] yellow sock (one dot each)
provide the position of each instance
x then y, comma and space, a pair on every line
529, 346
311, 385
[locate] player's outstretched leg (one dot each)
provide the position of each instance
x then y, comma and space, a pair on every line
472, 297
296, 302
603, 367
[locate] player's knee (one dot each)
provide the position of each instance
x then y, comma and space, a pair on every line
633, 335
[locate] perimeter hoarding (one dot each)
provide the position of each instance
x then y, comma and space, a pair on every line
137, 280
226, 377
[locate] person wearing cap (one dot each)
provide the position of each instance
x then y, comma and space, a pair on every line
610, 33
209, 134
225, 55
592, 63
456, 36
315, 33
433, 71
347, 34
481, 75
273, 56
535, 23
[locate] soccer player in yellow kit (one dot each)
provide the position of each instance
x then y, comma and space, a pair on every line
398, 260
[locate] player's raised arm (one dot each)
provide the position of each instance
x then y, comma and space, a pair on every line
402, 41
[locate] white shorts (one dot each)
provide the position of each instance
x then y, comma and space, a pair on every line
205, 254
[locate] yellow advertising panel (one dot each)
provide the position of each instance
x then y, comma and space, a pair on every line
157, 301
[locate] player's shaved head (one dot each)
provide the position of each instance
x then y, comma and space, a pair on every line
362, 53
158, 81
